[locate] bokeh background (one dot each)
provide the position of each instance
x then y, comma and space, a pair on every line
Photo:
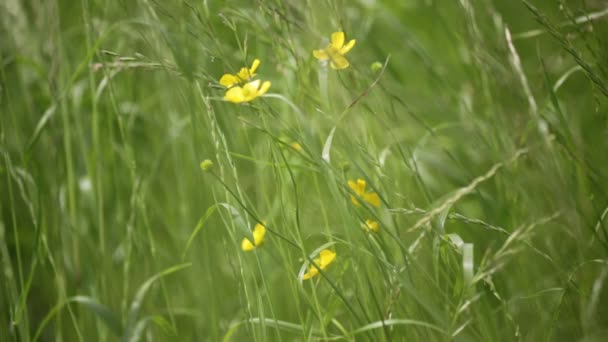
481, 124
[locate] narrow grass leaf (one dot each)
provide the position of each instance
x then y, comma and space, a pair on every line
391, 322
140, 295
273, 323
110, 319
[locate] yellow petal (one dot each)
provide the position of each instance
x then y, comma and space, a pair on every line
229, 80
250, 90
353, 186
254, 67
320, 55
311, 273
264, 88
372, 225
357, 189
372, 198
326, 257
339, 62
246, 245
235, 95
361, 184
244, 75
258, 234
337, 40
348, 46
252, 86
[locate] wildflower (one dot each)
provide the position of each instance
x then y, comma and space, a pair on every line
371, 226
247, 92
335, 51
244, 75
359, 189
258, 236
325, 258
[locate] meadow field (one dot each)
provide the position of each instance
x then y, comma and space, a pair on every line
303, 170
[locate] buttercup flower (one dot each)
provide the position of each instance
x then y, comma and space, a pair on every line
248, 92
325, 258
371, 226
359, 189
244, 75
335, 51
258, 236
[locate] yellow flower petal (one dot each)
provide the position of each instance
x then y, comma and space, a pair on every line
371, 225
258, 237
254, 67
244, 75
311, 273
258, 234
337, 40
372, 198
264, 88
251, 88
359, 189
229, 80
246, 245
320, 55
353, 185
348, 46
339, 62
326, 257
235, 95
361, 184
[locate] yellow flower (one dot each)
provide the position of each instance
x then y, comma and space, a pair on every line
325, 258
335, 51
244, 75
248, 92
371, 226
258, 236
359, 189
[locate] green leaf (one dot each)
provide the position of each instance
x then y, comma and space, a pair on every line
390, 322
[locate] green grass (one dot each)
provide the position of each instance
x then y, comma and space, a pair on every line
488, 154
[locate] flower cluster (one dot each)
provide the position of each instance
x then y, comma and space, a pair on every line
326, 256
244, 87
241, 87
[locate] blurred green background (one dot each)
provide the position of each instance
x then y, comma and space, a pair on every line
484, 132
